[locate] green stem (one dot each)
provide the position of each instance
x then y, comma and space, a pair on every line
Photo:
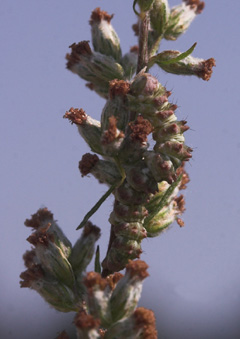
143, 42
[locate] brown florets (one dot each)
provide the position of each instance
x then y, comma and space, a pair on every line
40, 238
134, 49
185, 177
30, 275
29, 258
38, 218
94, 279
206, 69
87, 163
89, 228
180, 201
80, 49
137, 268
140, 129
86, 321
112, 133
180, 222
145, 320
113, 279
76, 116
196, 5
98, 15
118, 88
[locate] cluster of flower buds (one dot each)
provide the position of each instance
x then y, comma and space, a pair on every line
55, 269
111, 306
147, 181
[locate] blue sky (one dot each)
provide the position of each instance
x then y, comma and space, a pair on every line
194, 280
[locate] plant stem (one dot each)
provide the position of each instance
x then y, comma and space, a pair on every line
143, 42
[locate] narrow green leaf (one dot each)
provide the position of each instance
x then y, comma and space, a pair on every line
164, 200
97, 264
157, 59
96, 206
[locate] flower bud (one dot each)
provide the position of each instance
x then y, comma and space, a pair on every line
175, 150
104, 37
122, 249
126, 195
159, 16
181, 17
88, 128
141, 324
160, 166
103, 170
187, 66
97, 297
112, 138
87, 326
96, 68
83, 250
129, 62
41, 221
126, 295
140, 178
50, 246
116, 105
54, 292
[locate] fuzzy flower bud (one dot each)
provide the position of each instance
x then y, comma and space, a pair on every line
126, 295
112, 137
54, 292
88, 128
83, 250
94, 67
116, 105
97, 297
181, 17
104, 37
103, 170
187, 66
50, 246
141, 324
87, 326
129, 62
159, 16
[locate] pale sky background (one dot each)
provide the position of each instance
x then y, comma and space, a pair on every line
194, 283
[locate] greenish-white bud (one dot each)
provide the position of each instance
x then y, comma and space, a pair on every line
97, 297
50, 246
103, 170
83, 250
116, 106
181, 17
104, 38
127, 293
159, 15
141, 324
186, 66
54, 292
87, 327
129, 62
89, 128
94, 67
